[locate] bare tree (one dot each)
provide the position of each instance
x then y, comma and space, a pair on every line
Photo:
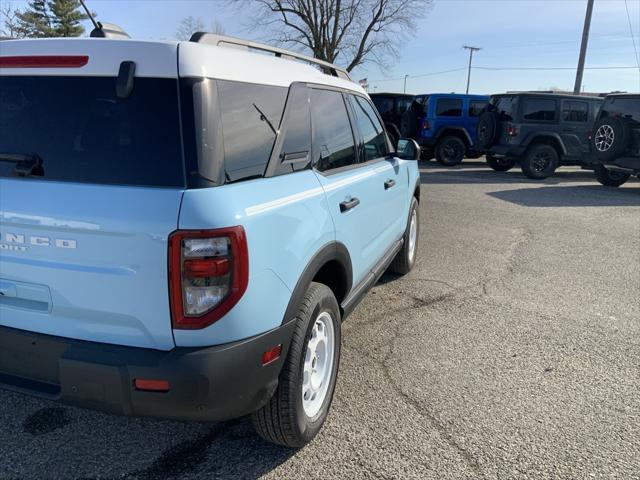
188, 26
9, 26
350, 32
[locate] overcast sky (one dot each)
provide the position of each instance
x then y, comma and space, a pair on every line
527, 34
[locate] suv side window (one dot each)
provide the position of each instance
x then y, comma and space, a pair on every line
248, 114
476, 107
370, 128
334, 146
449, 107
539, 109
575, 111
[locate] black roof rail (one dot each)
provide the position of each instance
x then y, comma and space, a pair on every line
223, 40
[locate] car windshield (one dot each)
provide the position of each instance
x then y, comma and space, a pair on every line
622, 107
84, 133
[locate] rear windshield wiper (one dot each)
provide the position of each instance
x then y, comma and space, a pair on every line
26, 164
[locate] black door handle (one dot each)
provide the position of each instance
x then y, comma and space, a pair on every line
349, 204
389, 183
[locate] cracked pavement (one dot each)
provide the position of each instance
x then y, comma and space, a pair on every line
512, 350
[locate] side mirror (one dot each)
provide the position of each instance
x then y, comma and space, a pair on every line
408, 149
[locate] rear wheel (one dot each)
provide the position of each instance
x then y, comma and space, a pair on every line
450, 151
540, 161
610, 178
500, 164
296, 412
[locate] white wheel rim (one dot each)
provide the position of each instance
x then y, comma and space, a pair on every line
413, 235
604, 138
318, 364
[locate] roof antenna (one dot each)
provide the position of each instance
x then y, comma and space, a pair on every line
103, 30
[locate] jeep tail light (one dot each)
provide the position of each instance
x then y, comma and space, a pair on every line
512, 131
208, 274
426, 125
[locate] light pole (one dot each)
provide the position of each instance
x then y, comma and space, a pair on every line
471, 50
405, 83
583, 47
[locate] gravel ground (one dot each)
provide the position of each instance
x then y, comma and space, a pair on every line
511, 351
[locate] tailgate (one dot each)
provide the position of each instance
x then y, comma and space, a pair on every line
87, 261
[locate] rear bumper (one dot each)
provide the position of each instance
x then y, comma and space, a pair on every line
212, 383
624, 164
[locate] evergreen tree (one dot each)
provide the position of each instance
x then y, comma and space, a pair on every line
35, 21
67, 18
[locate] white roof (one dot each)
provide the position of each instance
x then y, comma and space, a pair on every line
158, 59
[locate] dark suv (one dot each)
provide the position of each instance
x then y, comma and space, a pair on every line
392, 108
539, 131
616, 140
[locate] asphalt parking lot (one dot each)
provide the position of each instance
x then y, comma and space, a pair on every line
511, 351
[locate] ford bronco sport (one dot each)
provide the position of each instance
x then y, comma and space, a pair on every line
184, 226
616, 140
539, 131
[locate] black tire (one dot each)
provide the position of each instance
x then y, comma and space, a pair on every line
450, 151
487, 130
283, 419
610, 139
610, 178
540, 161
406, 259
500, 164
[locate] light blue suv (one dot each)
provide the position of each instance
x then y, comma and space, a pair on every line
184, 226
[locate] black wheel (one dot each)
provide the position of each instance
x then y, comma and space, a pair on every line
406, 257
610, 178
540, 161
500, 164
487, 129
450, 151
610, 138
296, 412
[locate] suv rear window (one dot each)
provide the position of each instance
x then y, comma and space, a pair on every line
505, 106
575, 111
383, 104
539, 109
85, 134
622, 107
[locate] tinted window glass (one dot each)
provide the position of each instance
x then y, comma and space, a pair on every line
83, 133
250, 114
476, 107
403, 105
370, 128
449, 107
505, 107
539, 110
296, 147
334, 144
622, 107
575, 111
383, 104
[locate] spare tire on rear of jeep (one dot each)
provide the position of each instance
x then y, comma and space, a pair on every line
610, 138
487, 130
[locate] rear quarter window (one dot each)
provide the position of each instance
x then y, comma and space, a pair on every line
449, 107
539, 110
85, 134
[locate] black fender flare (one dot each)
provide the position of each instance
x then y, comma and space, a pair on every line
444, 131
334, 251
555, 137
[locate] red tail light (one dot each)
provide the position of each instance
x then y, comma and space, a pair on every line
512, 131
208, 274
44, 61
426, 125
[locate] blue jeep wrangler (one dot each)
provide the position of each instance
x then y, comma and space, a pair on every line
443, 124
184, 226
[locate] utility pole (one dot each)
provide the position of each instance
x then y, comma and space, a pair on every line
405, 83
471, 50
583, 48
